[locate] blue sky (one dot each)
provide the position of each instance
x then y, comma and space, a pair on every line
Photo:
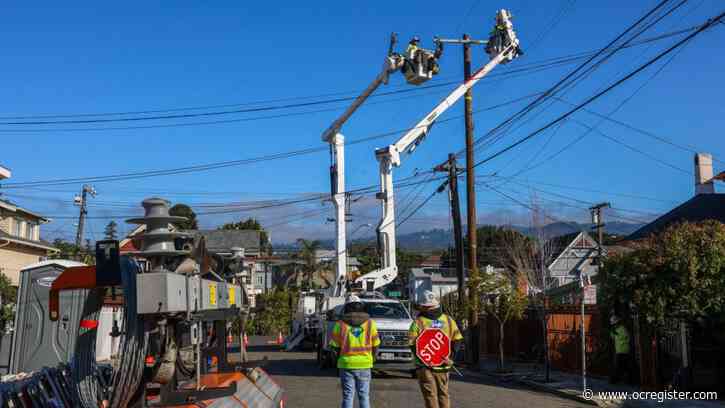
90, 58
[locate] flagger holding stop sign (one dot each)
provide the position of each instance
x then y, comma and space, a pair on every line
433, 337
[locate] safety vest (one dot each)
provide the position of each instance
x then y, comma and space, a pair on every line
445, 323
356, 344
621, 340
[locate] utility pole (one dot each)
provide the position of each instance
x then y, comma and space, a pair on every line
452, 169
82, 201
598, 224
471, 220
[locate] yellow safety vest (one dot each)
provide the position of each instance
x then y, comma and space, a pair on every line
356, 344
445, 323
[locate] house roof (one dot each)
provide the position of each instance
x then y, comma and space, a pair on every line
582, 240
225, 240
41, 244
699, 208
436, 274
12, 207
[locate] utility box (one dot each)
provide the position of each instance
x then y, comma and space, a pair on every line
39, 342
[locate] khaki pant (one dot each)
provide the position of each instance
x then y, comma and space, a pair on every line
434, 386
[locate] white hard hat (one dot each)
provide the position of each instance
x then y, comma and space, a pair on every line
428, 299
352, 299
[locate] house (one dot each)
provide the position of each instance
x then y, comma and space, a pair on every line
432, 261
325, 255
578, 257
440, 281
20, 242
706, 204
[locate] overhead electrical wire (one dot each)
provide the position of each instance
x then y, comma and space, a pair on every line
223, 164
564, 85
565, 81
596, 96
37, 119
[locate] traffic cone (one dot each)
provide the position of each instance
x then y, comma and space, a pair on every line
280, 339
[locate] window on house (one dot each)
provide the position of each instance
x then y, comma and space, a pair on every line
18, 227
260, 281
30, 230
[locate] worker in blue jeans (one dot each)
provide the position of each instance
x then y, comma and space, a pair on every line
355, 341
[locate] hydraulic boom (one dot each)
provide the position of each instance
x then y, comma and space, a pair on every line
502, 47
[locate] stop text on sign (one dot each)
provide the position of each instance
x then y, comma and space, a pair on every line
433, 346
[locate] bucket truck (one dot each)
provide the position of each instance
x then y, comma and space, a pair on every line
418, 65
502, 47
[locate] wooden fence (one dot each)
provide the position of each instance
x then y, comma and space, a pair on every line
523, 338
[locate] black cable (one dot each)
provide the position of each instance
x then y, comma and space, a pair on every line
528, 108
689, 149
632, 148
533, 67
436, 191
230, 163
596, 96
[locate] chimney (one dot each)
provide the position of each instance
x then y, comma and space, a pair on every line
703, 174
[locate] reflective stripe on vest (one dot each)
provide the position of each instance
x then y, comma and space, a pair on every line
347, 350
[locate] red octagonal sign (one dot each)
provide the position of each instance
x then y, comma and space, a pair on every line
433, 347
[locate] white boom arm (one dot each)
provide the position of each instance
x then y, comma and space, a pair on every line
332, 135
505, 45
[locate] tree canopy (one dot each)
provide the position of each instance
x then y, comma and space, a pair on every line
183, 210
678, 273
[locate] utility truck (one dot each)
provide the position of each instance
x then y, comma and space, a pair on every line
502, 47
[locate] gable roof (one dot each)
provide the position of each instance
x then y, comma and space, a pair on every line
699, 208
12, 207
582, 240
225, 240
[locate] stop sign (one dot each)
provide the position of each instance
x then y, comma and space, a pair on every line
433, 347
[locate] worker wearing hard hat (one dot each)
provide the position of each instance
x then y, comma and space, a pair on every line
412, 48
355, 341
433, 380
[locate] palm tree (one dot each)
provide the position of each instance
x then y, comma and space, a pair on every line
307, 253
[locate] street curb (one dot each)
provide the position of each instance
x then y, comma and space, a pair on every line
556, 391
544, 388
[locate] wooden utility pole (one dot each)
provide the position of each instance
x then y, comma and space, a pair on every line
471, 219
472, 342
452, 169
82, 201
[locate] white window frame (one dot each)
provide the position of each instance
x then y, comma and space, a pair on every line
30, 230
18, 227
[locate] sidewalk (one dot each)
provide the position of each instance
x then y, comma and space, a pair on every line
569, 385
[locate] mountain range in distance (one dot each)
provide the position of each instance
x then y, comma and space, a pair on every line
436, 239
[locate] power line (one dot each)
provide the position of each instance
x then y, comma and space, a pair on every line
224, 164
596, 96
37, 119
562, 83
632, 148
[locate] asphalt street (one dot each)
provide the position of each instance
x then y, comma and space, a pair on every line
309, 387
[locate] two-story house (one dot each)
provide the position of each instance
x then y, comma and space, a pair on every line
20, 243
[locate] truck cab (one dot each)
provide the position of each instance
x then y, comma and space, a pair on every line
393, 322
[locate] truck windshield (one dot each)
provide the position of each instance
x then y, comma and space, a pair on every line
386, 310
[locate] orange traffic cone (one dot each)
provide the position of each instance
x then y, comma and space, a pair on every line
246, 340
280, 339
